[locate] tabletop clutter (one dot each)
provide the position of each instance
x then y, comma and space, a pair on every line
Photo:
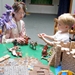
60, 54
22, 65
63, 54
25, 66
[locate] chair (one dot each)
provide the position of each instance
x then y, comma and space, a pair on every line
66, 71
0, 35
71, 31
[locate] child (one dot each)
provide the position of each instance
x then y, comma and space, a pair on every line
65, 21
18, 32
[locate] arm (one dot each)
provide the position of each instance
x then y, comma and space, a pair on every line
6, 36
49, 37
47, 41
5, 40
23, 30
46, 36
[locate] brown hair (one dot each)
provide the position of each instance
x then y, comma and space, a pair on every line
18, 5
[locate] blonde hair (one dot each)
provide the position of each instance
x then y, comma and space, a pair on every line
67, 19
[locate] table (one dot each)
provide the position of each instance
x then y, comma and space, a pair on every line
26, 51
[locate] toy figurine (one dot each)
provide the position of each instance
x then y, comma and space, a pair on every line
44, 51
33, 45
19, 54
14, 52
15, 42
47, 59
25, 42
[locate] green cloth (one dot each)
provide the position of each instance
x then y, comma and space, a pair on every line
26, 51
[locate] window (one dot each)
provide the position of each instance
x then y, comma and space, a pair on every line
42, 2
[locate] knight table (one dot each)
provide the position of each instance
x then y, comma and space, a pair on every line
26, 52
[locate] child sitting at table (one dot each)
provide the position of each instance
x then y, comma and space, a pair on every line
18, 32
65, 22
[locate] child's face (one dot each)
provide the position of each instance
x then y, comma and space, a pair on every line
62, 27
19, 15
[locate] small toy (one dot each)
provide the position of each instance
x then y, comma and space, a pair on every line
15, 42
66, 71
30, 67
25, 42
33, 45
14, 51
19, 54
47, 59
50, 53
44, 51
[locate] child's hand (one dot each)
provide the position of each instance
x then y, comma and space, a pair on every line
41, 35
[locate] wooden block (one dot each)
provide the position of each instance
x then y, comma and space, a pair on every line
4, 58
55, 57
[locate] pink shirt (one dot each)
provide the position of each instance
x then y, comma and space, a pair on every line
19, 31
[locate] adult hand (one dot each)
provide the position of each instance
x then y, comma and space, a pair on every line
20, 39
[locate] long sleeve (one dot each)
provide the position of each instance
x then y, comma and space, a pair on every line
23, 29
14, 33
5, 40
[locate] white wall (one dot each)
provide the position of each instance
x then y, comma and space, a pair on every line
2, 5
73, 7
36, 8
48, 9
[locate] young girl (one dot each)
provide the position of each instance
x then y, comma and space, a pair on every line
18, 32
65, 21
